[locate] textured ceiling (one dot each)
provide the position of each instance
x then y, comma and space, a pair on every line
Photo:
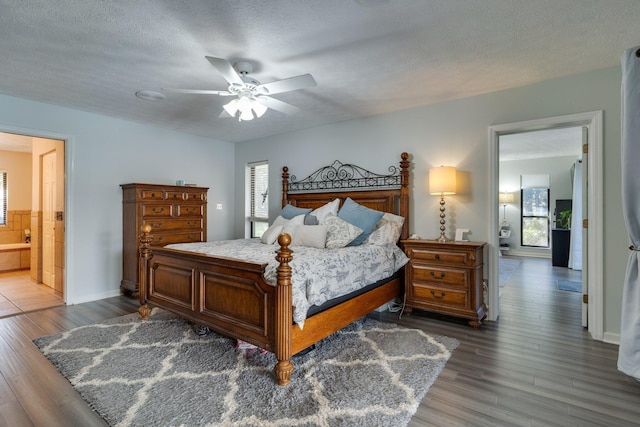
367, 56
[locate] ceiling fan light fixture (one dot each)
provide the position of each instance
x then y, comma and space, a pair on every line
231, 107
245, 115
258, 108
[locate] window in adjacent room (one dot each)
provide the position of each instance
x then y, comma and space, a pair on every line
535, 210
257, 198
3, 197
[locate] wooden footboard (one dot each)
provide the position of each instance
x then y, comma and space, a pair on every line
229, 296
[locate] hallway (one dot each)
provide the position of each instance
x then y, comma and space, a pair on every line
19, 294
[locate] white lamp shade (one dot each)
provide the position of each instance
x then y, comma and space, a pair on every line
442, 180
505, 198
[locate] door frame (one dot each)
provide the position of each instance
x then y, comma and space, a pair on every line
593, 120
67, 140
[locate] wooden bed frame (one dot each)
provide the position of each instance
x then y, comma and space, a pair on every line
232, 297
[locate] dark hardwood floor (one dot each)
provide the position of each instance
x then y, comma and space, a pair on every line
535, 366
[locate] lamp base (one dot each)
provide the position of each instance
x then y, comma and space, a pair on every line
443, 239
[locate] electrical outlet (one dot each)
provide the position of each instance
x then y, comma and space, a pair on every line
219, 206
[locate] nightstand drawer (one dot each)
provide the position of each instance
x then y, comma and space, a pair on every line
446, 276
443, 296
439, 256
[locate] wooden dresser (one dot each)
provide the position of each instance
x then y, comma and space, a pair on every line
446, 278
176, 214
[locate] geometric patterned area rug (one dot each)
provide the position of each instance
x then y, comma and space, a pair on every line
160, 372
569, 285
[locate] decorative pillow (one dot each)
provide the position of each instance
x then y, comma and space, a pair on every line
387, 233
322, 211
360, 216
310, 219
313, 236
291, 211
339, 232
387, 230
270, 236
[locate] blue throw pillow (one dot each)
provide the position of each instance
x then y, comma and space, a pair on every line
360, 216
291, 211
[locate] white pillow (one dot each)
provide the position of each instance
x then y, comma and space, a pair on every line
270, 236
322, 211
281, 225
387, 230
339, 232
296, 220
313, 236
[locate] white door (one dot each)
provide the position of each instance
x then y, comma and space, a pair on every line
48, 218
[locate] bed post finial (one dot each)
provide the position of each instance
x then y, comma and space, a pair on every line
284, 314
285, 185
145, 256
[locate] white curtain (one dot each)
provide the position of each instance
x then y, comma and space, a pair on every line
629, 352
575, 244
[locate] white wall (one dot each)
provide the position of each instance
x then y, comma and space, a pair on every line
456, 133
18, 167
560, 187
103, 153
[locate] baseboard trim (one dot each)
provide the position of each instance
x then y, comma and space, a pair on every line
611, 338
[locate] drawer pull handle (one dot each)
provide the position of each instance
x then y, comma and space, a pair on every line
437, 256
156, 224
158, 210
440, 277
442, 294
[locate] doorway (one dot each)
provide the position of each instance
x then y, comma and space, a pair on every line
541, 195
593, 212
46, 204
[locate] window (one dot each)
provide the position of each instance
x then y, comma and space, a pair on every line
3, 197
535, 210
258, 198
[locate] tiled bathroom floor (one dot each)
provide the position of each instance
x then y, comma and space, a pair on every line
18, 294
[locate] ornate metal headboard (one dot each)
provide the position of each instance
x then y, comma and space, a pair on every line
383, 192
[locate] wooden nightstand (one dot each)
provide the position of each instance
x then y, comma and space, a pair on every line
445, 278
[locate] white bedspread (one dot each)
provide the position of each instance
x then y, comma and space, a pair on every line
318, 275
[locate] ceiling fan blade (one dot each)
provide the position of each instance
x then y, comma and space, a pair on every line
276, 104
292, 83
225, 68
199, 91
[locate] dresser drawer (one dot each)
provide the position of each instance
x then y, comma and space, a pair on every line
149, 194
445, 276
196, 197
441, 296
440, 256
175, 224
176, 195
156, 210
189, 210
187, 237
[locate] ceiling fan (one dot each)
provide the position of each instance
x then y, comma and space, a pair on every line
251, 98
